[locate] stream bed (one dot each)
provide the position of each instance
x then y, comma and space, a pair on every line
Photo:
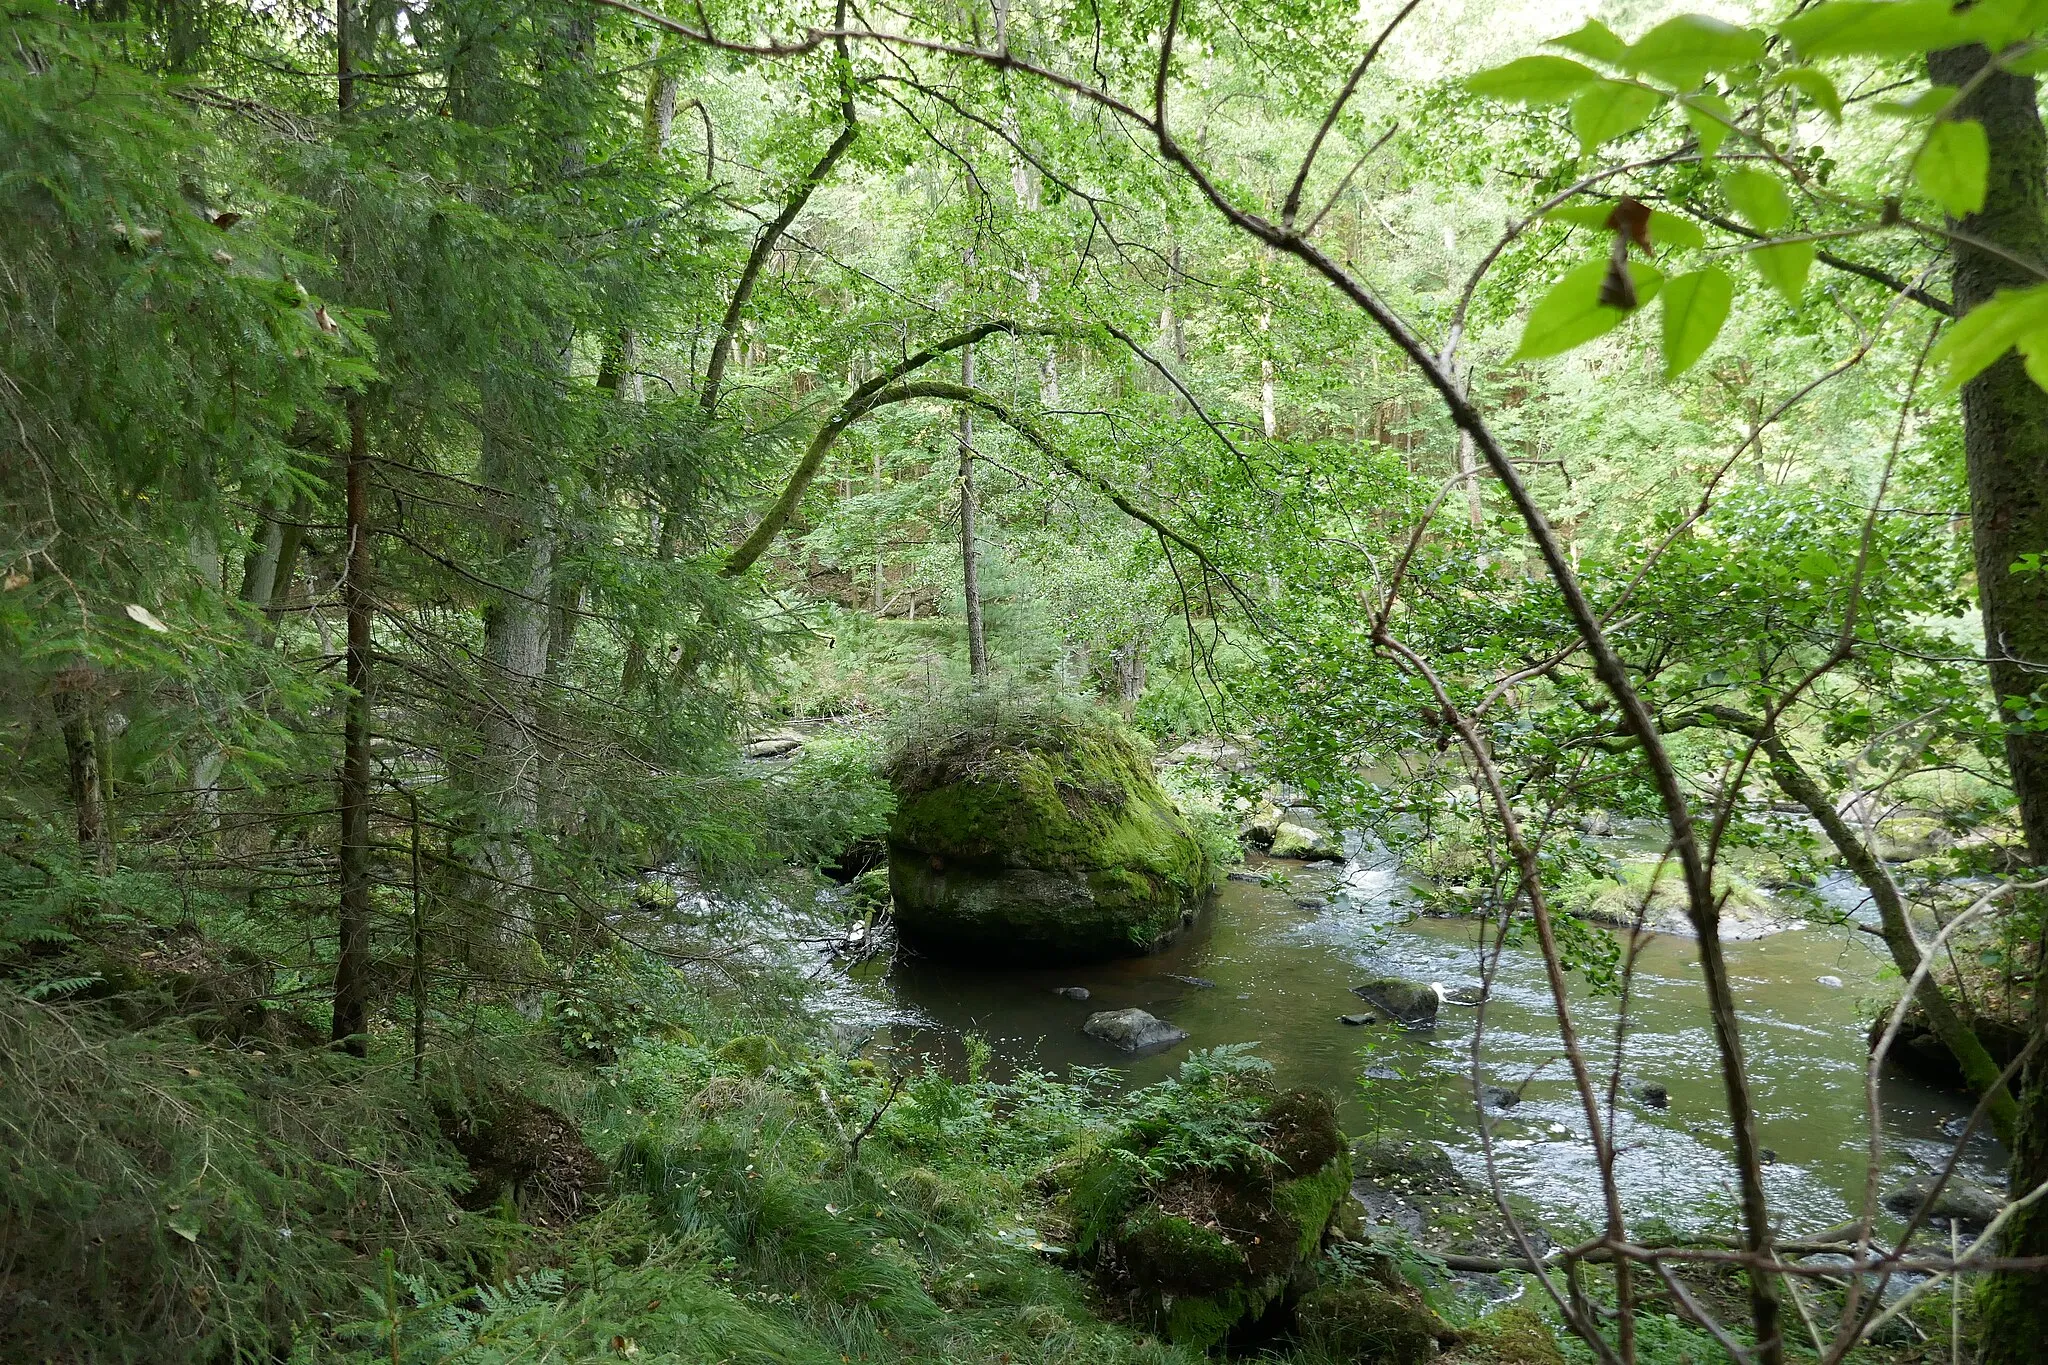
1272, 963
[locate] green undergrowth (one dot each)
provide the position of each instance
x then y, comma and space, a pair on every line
757, 1193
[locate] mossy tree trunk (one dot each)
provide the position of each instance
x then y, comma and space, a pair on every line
970, 576
2005, 441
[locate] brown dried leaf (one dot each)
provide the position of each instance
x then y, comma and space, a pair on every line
1631, 222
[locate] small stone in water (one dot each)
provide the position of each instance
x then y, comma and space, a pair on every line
1200, 983
1071, 992
1354, 1019
1654, 1095
1833, 983
1499, 1097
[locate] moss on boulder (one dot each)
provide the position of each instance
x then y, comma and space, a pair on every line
1051, 843
1365, 1320
1204, 1251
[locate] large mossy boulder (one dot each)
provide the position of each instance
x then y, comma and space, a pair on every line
1206, 1233
1047, 841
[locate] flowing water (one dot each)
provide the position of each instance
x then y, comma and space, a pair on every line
1273, 965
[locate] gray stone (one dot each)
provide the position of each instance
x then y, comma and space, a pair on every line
1499, 1097
772, 746
1200, 983
1291, 840
1240, 875
1833, 983
1960, 1201
1131, 1030
1311, 902
1596, 823
1654, 1095
1409, 1003
1354, 1019
1071, 992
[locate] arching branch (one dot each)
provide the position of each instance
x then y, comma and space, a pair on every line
771, 236
858, 404
881, 393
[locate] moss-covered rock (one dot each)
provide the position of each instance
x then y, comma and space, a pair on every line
1508, 1336
1206, 1251
1653, 892
752, 1053
1371, 1323
1048, 844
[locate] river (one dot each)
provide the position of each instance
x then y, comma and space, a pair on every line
1273, 965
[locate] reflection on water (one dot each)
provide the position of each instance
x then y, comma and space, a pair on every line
1282, 959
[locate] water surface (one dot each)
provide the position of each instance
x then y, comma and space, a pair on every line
1283, 958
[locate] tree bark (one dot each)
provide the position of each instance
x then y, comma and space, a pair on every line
72, 699
970, 575
2005, 444
352, 958
352, 963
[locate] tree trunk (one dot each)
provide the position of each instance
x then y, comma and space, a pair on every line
2005, 442
516, 658
881, 541
73, 701
970, 576
352, 963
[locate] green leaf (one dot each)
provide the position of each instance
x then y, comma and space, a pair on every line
1534, 80
1928, 102
1594, 40
1581, 215
1784, 267
1610, 110
1683, 50
1988, 331
1758, 196
1666, 229
1670, 230
1815, 86
2034, 348
1571, 314
1710, 118
1876, 28
1695, 307
1953, 165
1817, 566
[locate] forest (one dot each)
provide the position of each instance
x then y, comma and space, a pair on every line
1089, 682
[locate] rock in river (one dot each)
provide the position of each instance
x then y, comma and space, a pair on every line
1499, 1097
1048, 842
1131, 1030
1972, 1206
1412, 1004
1071, 992
1293, 840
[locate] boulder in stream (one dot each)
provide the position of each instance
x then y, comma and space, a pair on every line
1412, 1004
1960, 1201
1300, 840
1131, 1030
1042, 838
1071, 992
772, 746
